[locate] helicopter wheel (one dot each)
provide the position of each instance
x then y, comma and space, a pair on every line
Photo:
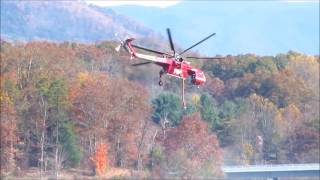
160, 83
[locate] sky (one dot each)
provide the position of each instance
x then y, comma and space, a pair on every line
263, 27
161, 4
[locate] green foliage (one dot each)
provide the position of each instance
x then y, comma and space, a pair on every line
191, 109
293, 54
57, 94
36, 83
68, 141
11, 88
267, 88
223, 73
43, 86
314, 124
241, 104
207, 172
107, 45
209, 111
233, 67
167, 106
228, 109
266, 64
157, 155
281, 61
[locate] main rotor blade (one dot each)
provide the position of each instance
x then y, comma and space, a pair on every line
205, 57
197, 43
150, 50
170, 40
140, 64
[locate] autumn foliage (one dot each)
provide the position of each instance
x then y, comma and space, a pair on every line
64, 99
100, 159
8, 134
192, 148
193, 136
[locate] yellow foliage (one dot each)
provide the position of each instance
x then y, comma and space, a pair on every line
261, 102
4, 97
248, 150
287, 119
82, 77
247, 154
294, 111
306, 68
195, 98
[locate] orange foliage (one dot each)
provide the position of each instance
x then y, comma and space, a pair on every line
8, 133
100, 159
193, 138
215, 86
112, 109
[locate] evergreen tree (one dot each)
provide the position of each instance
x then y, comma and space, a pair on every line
209, 111
167, 107
68, 141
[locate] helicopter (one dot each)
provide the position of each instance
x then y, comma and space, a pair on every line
173, 64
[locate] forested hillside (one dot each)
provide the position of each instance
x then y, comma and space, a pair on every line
82, 109
67, 21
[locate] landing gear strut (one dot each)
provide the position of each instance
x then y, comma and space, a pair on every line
160, 81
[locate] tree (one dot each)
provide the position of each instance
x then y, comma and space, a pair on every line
257, 121
266, 64
229, 111
111, 111
100, 159
209, 111
190, 147
284, 88
167, 108
9, 135
302, 146
306, 68
88, 95
69, 142
32, 69
59, 101
127, 119
215, 86
57, 105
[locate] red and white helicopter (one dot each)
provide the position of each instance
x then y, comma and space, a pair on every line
172, 64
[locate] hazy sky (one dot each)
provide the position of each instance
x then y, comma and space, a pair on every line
263, 27
162, 4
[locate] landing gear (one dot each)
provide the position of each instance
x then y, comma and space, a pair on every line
193, 78
160, 81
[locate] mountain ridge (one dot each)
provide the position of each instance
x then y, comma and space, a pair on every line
265, 28
240, 28
66, 21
